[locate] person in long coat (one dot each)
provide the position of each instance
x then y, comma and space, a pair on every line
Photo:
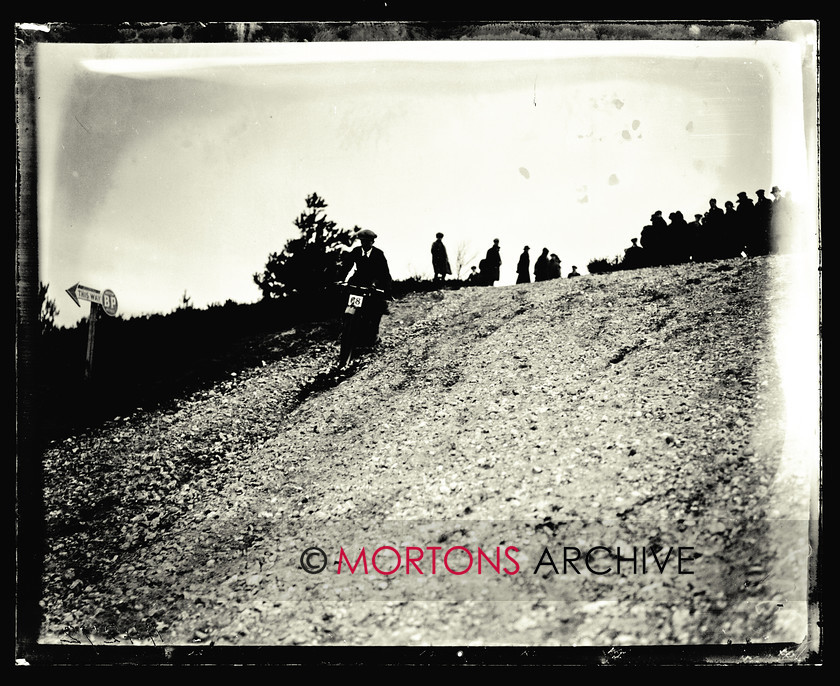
714, 228
734, 241
440, 260
541, 266
523, 267
654, 239
746, 223
554, 270
762, 224
493, 262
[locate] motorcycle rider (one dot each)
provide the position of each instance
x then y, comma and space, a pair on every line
367, 266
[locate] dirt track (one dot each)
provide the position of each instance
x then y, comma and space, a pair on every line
637, 410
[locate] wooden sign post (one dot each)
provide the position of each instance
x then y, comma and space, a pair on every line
97, 299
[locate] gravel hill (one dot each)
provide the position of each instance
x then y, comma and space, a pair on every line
621, 416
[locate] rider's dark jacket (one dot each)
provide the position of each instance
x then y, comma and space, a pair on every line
371, 269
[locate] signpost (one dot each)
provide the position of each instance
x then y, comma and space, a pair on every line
104, 299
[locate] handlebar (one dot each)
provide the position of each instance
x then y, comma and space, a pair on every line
346, 284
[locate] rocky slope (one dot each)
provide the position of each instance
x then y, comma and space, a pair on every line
567, 429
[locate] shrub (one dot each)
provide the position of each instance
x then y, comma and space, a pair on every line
604, 265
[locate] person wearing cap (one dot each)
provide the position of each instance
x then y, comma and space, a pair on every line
371, 266
633, 257
654, 237
523, 267
366, 265
440, 260
575, 272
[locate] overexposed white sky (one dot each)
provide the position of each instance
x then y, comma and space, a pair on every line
167, 169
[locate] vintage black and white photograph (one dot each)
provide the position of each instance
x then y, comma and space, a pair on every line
447, 341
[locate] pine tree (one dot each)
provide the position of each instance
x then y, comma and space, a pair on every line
309, 263
49, 310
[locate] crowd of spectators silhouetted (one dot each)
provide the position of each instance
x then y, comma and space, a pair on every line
546, 267
747, 228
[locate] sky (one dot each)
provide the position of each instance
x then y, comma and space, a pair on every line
172, 170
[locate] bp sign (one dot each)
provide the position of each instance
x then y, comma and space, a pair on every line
109, 302
104, 299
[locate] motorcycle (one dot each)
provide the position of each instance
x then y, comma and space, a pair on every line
360, 319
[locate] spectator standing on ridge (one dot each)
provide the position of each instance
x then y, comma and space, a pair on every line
734, 239
763, 219
493, 263
483, 273
694, 248
677, 244
654, 239
746, 222
633, 256
779, 217
541, 266
473, 278
714, 213
440, 260
713, 229
523, 267
554, 271
575, 272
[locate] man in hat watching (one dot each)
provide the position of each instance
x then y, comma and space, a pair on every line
493, 261
369, 268
633, 256
523, 267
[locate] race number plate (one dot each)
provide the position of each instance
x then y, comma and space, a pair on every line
355, 300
